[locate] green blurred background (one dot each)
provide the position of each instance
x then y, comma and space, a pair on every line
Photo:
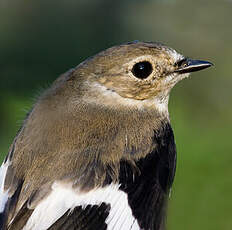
41, 39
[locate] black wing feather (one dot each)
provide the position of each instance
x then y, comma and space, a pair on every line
91, 217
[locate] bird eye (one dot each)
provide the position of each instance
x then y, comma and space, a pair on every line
142, 69
182, 62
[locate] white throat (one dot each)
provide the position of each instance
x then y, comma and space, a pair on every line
103, 96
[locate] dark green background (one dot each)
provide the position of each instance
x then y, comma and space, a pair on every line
41, 39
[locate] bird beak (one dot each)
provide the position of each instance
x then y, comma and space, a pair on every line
188, 65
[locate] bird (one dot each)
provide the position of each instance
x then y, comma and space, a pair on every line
97, 149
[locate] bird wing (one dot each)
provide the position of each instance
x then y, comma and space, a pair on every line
60, 205
137, 199
68, 208
63, 207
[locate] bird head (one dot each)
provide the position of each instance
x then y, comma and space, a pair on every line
136, 74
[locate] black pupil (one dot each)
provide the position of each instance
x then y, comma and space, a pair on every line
142, 69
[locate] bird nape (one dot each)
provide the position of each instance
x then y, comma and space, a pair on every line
97, 150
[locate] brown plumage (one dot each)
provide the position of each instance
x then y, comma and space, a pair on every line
89, 121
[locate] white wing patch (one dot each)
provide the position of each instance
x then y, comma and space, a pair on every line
3, 194
63, 197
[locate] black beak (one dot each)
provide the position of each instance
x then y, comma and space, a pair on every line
188, 65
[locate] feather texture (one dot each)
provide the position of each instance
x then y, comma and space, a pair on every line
97, 150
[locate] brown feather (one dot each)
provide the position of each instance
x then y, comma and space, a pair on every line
76, 133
